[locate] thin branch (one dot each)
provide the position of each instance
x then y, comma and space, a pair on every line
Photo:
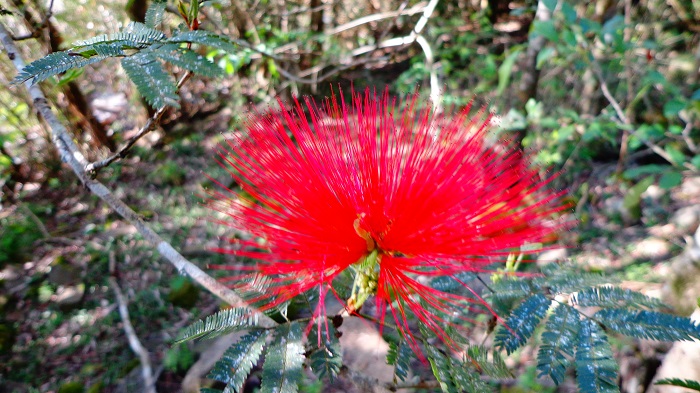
150, 125
26, 36
376, 17
685, 134
134, 342
364, 50
414, 36
300, 78
71, 155
420, 385
629, 75
44, 232
401, 41
626, 121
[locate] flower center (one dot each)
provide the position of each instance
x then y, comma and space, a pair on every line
366, 269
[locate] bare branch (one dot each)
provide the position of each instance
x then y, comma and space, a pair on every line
134, 342
626, 121
364, 50
376, 17
150, 125
71, 155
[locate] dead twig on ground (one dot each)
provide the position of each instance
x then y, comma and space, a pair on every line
134, 342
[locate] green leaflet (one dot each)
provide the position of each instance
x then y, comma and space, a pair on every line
649, 325
465, 375
608, 296
452, 284
441, 365
154, 13
400, 356
558, 341
684, 383
155, 85
512, 288
207, 38
478, 357
596, 369
325, 360
522, 322
190, 60
54, 63
233, 368
283, 360
223, 322
562, 281
136, 35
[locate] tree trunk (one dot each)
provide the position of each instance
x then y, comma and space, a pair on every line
137, 10
77, 102
531, 75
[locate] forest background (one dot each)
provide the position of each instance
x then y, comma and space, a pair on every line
605, 92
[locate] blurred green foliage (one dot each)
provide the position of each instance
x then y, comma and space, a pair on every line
17, 236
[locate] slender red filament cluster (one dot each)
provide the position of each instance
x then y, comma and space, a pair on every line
388, 190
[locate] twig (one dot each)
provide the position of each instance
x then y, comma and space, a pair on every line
93, 167
401, 41
71, 155
300, 78
37, 27
364, 50
376, 17
625, 120
629, 75
685, 134
420, 385
134, 342
430, 65
44, 232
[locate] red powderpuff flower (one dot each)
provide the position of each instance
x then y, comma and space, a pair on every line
392, 192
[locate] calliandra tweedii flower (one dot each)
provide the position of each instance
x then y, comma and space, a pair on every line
392, 192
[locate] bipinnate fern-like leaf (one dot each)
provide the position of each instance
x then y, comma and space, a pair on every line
82, 53
222, 322
206, 38
555, 280
558, 280
400, 356
596, 369
683, 383
452, 284
255, 291
463, 375
513, 288
284, 358
441, 365
558, 342
235, 365
325, 357
155, 12
53, 64
649, 325
140, 46
189, 60
521, 323
477, 356
134, 36
154, 84
609, 296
